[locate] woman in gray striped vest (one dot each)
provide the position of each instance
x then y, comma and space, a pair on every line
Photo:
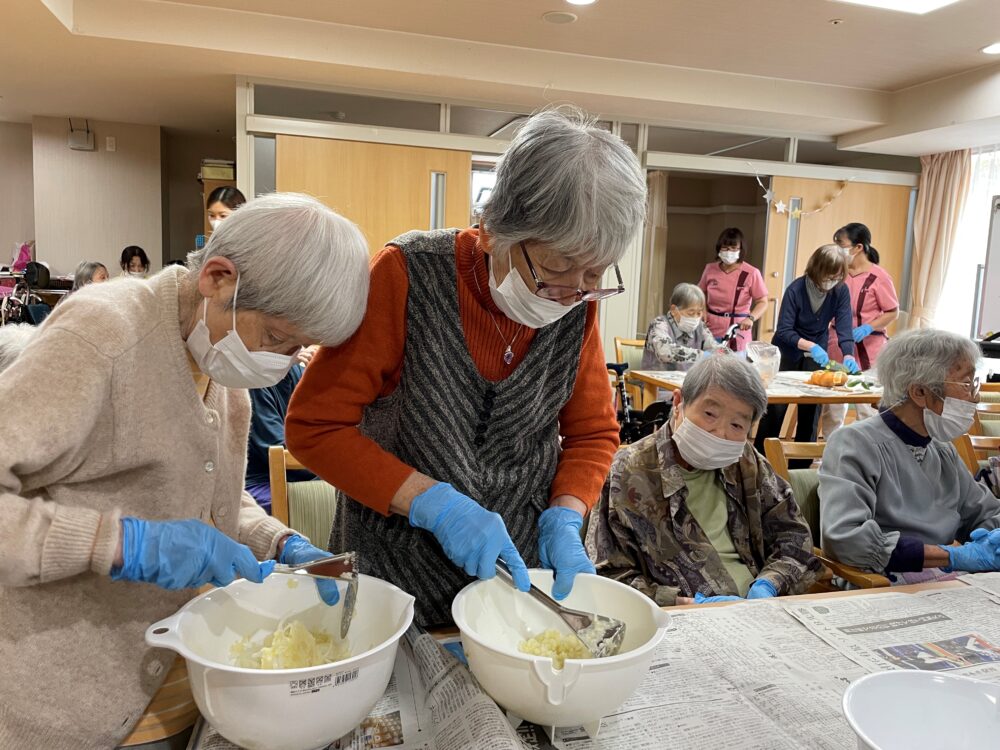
470, 417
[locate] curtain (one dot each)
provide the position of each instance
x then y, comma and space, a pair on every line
971, 245
654, 251
944, 186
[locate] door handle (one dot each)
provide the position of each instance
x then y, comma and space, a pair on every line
774, 315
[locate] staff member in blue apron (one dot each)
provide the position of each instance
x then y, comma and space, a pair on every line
810, 303
735, 292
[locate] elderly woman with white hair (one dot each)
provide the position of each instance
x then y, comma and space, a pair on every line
693, 513
894, 495
680, 338
124, 490
470, 418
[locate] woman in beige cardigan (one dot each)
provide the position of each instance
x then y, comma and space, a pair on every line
123, 437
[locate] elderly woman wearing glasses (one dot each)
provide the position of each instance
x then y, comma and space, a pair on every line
894, 493
470, 419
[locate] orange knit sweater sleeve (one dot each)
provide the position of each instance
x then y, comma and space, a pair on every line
587, 424
321, 427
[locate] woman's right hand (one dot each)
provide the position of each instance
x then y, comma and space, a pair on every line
183, 555
471, 536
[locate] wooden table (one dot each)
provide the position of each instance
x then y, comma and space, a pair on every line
788, 387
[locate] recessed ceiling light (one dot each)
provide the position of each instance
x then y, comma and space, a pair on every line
904, 6
993, 49
559, 16
581, 2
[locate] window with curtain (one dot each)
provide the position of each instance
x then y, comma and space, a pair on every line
954, 312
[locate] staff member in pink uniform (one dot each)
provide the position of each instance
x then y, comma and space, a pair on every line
734, 290
874, 305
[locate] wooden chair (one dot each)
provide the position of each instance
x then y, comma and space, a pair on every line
989, 422
974, 449
990, 388
630, 351
805, 487
308, 507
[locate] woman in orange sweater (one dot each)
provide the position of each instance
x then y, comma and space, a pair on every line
470, 417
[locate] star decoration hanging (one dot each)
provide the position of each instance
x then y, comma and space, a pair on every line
768, 196
796, 213
780, 207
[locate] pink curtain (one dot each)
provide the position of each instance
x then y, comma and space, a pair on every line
944, 186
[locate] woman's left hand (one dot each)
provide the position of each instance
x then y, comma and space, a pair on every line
297, 550
746, 324
561, 548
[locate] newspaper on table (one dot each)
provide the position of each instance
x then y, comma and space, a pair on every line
432, 703
936, 630
791, 384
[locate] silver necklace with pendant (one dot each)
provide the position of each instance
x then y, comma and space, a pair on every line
508, 354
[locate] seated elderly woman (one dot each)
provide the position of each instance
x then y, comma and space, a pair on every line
124, 490
694, 511
677, 340
894, 495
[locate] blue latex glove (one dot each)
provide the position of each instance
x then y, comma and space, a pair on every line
981, 553
184, 555
819, 355
297, 550
561, 548
471, 536
852, 365
700, 598
862, 332
762, 589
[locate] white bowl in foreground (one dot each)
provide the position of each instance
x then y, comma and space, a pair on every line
494, 619
285, 709
913, 709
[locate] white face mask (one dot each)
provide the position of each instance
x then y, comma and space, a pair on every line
522, 305
137, 274
729, 256
705, 451
955, 419
229, 362
214, 223
689, 325
826, 286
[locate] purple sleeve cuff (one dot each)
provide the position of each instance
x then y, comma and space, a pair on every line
908, 557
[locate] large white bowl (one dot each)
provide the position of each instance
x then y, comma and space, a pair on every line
913, 709
494, 619
285, 709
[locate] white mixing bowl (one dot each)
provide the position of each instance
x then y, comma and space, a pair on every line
285, 709
494, 619
911, 709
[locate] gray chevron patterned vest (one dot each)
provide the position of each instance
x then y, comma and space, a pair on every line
498, 443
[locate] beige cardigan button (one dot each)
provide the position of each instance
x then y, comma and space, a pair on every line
209, 466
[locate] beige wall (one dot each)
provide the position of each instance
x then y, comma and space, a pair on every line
184, 210
17, 202
91, 204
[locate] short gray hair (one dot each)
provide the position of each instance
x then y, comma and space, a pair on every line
569, 184
298, 260
730, 373
85, 273
685, 295
921, 357
14, 337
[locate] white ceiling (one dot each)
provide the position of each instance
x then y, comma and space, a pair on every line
117, 64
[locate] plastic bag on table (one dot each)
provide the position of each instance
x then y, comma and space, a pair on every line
766, 358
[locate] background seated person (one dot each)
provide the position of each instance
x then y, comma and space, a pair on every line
676, 341
892, 488
693, 511
267, 427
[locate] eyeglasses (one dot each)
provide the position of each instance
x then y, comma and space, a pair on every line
562, 293
971, 388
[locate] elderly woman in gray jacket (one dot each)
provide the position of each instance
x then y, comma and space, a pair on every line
121, 467
894, 494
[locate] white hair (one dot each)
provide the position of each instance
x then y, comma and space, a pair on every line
686, 295
14, 337
921, 357
298, 260
732, 374
568, 184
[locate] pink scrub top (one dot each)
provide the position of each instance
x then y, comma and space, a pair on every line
879, 298
720, 289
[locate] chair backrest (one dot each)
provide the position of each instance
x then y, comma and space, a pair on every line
630, 351
307, 507
804, 482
